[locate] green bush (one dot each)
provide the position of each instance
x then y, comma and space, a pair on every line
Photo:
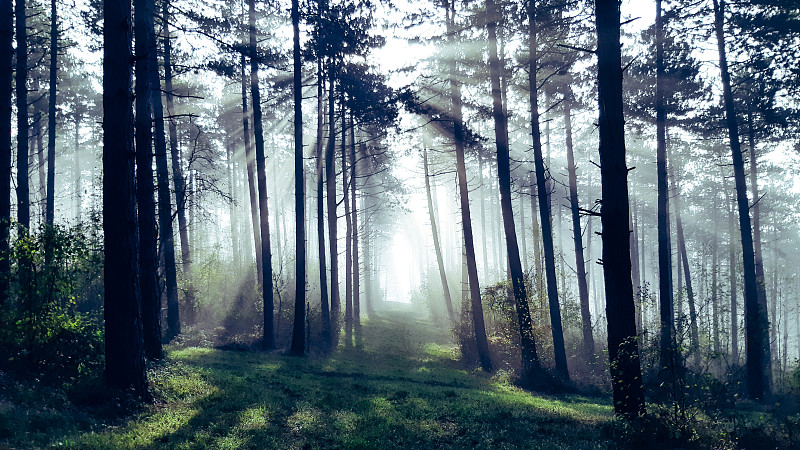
52, 324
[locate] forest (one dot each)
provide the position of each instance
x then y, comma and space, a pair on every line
405, 224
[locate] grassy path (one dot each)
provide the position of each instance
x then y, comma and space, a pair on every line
403, 389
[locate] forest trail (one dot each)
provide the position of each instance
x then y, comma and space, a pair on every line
404, 388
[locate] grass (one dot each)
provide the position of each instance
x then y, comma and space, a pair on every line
402, 389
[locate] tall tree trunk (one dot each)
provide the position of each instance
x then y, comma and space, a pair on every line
759, 259
530, 360
250, 163
442, 274
148, 252
466, 219
623, 348
6, 90
330, 184
298, 329
694, 334
348, 244
268, 342
542, 190
580, 265
165, 229
51, 124
23, 189
665, 294
177, 168
354, 214
756, 322
124, 347
633, 222
537, 251
732, 274
229, 170
714, 289
482, 194
323, 271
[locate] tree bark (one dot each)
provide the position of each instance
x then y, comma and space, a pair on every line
542, 190
348, 242
732, 274
6, 90
298, 329
124, 347
148, 252
268, 343
666, 301
623, 348
166, 237
354, 218
439, 261
580, 265
759, 259
466, 219
330, 184
323, 272
756, 322
23, 189
51, 124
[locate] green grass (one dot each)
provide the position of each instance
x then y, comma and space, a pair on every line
402, 389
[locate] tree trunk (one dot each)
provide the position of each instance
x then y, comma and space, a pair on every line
482, 194
466, 220
323, 272
348, 244
250, 163
268, 342
354, 219
148, 246
580, 265
623, 348
442, 274
167, 238
759, 259
124, 347
177, 169
756, 323
732, 274
537, 251
330, 184
633, 222
530, 360
6, 90
665, 294
694, 334
51, 124
298, 329
542, 190
23, 189
229, 169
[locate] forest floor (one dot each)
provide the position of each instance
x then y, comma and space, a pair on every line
403, 388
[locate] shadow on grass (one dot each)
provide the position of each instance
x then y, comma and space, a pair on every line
402, 389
